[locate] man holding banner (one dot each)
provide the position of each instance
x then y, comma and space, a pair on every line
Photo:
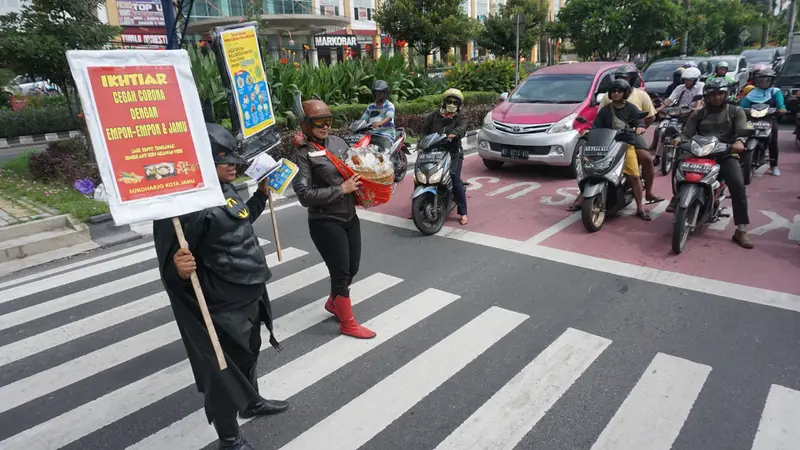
224, 251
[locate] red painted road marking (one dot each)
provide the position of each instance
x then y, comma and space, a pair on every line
528, 204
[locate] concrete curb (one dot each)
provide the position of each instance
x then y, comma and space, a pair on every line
22, 141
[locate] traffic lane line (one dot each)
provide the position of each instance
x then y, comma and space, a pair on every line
515, 202
774, 229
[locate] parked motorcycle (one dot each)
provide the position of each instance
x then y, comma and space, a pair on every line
759, 119
432, 200
700, 190
605, 189
670, 127
399, 152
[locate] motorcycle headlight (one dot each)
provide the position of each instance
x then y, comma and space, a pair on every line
597, 166
702, 150
422, 178
488, 122
563, 125
757, 114
436, 176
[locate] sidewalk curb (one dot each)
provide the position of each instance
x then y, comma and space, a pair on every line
22, 141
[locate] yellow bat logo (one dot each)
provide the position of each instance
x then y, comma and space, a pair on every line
243, 213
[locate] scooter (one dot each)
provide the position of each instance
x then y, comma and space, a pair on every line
399, 152
432, 200
605, 189
700, 190
670, 128
759, 119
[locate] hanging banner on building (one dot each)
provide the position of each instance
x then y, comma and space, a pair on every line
140, 13
241, 55
147, 132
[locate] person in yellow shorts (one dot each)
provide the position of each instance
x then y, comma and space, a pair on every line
616, 116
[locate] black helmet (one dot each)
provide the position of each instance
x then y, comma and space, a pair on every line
380, 86
223, 144
622, 85
626, 71
716, 85
768, 72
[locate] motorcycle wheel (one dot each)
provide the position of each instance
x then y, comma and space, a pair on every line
422, 205
667, 160
593, 213
682, 226
747, 167
401, 164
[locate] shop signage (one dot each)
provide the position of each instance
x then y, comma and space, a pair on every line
335, 41
140, 13
149, 39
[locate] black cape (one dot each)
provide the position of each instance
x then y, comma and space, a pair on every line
230, 387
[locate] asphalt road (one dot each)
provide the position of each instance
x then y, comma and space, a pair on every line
489, 337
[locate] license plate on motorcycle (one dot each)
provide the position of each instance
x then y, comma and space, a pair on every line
515, 153
759, 125
433, 157
695, 167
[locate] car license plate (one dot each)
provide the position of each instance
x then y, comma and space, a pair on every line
432, 157
513, 153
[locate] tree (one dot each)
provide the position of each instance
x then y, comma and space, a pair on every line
607, 27
426, 25
34, 42
499, 34
716, 24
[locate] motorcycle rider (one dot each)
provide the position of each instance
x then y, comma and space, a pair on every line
721, 71
765, 92
382, 132
676, 81
683, 94
723, 120
615, 116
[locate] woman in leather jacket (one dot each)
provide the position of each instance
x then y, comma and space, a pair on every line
452, 100
329, 197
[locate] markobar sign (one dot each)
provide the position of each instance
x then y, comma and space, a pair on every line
335, 41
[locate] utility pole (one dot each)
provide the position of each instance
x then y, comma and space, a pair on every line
792, 15
685, 38
520, 24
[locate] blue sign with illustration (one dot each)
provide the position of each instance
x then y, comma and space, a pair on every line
253, 99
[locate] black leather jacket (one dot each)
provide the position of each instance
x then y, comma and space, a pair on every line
434, 123
318, 184
223, 240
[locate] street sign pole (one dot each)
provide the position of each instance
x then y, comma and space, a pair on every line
520, 21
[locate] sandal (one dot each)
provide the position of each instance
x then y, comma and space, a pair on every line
574, 207
653, 200
463, 220
644, 215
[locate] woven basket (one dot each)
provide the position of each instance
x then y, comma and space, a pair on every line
372, 176
374, 191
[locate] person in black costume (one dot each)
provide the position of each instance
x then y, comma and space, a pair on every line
232, 270
332, 221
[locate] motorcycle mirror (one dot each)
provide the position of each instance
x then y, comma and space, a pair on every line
697, 97
504, 96
581, 119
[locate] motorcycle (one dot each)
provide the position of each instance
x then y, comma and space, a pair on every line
699, 189
398, 154
605, 189
670, 128
759, 119
432, 200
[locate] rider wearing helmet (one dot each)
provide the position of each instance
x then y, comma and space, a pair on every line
383, 122
723, 120
721, 71
452, 101
641, 100
765, 92
676, 81
682, 95
615, 116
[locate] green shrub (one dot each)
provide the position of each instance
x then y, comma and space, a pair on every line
33, 121
495, 75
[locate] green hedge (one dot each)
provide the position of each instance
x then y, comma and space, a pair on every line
33, 121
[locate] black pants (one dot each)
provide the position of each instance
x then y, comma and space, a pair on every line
459, 192
339, 244
239, 332
731, 171
773, 144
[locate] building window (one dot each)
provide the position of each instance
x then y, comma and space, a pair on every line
362, 9
328, 10
288, 6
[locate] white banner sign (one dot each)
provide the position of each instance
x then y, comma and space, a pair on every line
148, 133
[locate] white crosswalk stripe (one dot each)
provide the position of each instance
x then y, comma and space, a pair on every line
73, 401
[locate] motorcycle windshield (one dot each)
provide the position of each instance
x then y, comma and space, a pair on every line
429, 141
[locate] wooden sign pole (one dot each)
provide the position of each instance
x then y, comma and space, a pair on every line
201, 300
274, 225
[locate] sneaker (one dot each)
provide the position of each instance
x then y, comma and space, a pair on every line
775, 172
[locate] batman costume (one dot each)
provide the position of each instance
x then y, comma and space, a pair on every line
232, 271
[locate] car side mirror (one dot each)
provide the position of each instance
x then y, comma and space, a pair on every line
504, 96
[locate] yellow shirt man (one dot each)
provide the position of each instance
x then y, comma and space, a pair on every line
638, 98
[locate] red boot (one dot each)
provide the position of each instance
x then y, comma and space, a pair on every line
331, 307
348, 325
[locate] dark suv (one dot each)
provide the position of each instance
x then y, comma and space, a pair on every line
658, 75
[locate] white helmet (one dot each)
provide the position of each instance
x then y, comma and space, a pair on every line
692, 73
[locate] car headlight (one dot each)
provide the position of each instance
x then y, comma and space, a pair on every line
488, 122
702, 150
563, 125
436, 176
756, 114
